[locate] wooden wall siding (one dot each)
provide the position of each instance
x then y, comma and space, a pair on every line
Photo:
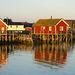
63, 25
39, 29
2, 25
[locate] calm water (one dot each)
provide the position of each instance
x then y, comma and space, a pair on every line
37, 60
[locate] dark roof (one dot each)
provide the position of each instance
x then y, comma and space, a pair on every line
69, 22
27, 24
73, 21
15, 23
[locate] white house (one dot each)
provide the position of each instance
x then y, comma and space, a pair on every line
16, 26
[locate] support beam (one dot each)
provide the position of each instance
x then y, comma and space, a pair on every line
5, 37
0, 37
13, 36
9, 38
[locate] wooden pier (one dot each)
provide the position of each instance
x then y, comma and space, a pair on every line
41, 36
53, 38
14, 35
23, 37
6, 36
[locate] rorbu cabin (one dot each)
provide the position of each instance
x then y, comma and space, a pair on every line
16, 26
51, 26
3, 27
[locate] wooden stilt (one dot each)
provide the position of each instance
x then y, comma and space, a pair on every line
57, 39
5, 37
52, 38
21, 37
24, 36
71, 36
0, 37
13, 36
44, 39
48, 38
9, 38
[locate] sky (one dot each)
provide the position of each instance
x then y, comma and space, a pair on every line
33, 10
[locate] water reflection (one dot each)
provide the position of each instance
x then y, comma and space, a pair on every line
53, 56
3, 56
6, 50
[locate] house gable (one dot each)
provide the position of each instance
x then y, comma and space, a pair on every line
61, 26
3, 22
61, 21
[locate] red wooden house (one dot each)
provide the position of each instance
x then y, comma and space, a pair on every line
3, 26
51, 26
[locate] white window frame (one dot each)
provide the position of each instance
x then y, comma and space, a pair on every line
2, 28
61, 28
10, 26
43, 27
50, 28
16, 26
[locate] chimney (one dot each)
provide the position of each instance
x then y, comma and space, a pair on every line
7, 20
51, 17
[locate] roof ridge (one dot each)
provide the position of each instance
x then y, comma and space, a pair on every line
51, 19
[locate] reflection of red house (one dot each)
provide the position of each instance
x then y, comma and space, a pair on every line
3, 26
3, 60
47, 55
53, 56
38, 54
50, 26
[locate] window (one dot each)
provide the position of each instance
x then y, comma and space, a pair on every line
16, 26
11, 26
61, 28
68, 28
43, 28
50, 28
3, 28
